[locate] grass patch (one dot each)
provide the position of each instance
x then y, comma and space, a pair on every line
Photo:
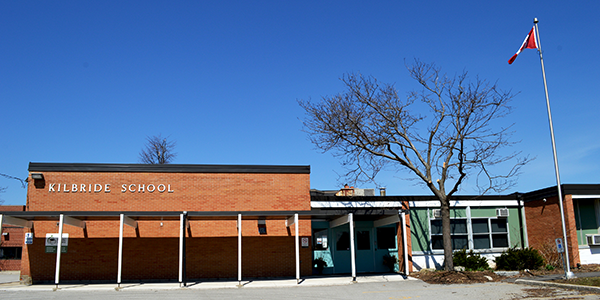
588, 281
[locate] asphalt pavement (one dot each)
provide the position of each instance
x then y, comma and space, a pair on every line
380, 286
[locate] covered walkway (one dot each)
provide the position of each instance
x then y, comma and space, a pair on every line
27, 219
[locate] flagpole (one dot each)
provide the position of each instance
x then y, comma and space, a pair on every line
568, 273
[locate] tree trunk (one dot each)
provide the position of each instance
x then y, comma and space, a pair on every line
446, 235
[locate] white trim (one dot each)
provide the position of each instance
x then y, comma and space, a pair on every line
340, 221
386, 221
584, 196
353, 204
4, 219
291, 220
73, 222
466, 203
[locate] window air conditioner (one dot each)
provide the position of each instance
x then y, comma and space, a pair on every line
593, 239
502, 212
437, 213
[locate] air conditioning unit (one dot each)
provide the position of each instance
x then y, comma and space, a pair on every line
593, 239
502, 212
437, 213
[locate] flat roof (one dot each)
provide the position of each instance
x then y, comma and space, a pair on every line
165, 168
567, 189
196, 215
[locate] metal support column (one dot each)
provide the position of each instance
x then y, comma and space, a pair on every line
58, 250
297, 242
239, 228
181, 239
352, 252
120, 261
124, 220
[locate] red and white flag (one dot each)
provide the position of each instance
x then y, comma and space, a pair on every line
530, 42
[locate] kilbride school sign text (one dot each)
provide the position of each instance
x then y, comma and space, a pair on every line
106, 188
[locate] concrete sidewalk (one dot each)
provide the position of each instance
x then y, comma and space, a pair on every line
259, 283
10, 276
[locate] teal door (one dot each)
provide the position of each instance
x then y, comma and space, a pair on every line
363, 246
341, 249
386, 243
364, 249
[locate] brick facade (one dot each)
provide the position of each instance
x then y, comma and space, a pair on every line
544, 225
152, 250
12, 237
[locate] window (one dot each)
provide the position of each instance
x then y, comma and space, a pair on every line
386, 237
458, 231
489, 233
363, 240
486, 233
320, 239
10, 253
343, 241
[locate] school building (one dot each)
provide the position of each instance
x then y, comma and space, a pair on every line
131, 222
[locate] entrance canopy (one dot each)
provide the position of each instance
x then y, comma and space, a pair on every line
130, 218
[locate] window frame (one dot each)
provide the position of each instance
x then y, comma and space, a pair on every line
490, 234
18, 253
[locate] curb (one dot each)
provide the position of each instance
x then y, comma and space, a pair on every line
595, 290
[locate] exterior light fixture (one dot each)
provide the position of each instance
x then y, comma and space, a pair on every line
262, 226
37, 176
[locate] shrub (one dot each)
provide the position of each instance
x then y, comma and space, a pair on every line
548, 251
319, 264
390, 261
519, 259
471, 261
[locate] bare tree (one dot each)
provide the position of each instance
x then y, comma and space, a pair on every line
3, 189
371, 128
158, 150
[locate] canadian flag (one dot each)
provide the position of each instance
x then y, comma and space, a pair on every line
530, 42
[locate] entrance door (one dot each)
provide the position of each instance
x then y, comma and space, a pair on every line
364, 250
363, 246
341, 249
386, 243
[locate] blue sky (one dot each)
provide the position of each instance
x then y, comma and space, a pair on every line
86, 82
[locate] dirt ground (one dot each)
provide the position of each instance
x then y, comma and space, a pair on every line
466, 277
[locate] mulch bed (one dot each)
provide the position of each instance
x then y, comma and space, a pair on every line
467, 277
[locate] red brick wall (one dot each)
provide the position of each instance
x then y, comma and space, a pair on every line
156, 256
15, 238
12, 208
192, 192
151, 251
544, 225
